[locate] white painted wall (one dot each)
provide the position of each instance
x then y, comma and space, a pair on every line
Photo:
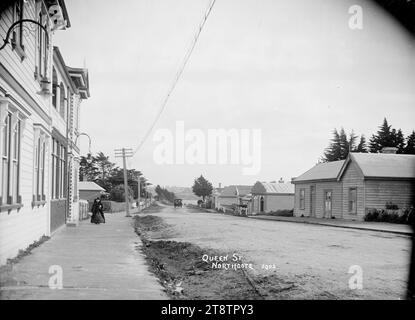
20, 228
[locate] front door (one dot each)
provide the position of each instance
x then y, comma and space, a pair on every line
312, 201
261, 204
328, 194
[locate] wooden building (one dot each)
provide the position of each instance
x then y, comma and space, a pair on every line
346, 189
272, 196
37, 112
231, 196
89, 190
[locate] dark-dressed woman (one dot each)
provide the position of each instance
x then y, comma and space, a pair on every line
97, 212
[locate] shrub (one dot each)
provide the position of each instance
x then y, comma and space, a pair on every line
391, 206
371, 215
117, 193
392, 216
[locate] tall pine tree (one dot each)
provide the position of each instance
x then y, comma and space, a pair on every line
341, 145
410, 144
387, 137
398, 140
333, 152
361, 147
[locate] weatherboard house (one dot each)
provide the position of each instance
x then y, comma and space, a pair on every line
40, 99
231, 196
272, 196
347, 189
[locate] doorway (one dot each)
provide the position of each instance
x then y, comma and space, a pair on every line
261, 204
328, 195
312, 201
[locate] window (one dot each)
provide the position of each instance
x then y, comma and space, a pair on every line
42, 43
62, 102
39, 195
5, 159
10, 159
75, 183
15, 164
302, 199
54, 88
58, 170
352, 200
17, 41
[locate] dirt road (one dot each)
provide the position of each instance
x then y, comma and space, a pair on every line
314, 260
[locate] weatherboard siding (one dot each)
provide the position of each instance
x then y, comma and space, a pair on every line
353, 178
279, 202
337, 198
320, 188
379, 192
23, 71
20, 228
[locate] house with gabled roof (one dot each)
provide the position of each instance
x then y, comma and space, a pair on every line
231, 196
272, 196
89, 190
348, 188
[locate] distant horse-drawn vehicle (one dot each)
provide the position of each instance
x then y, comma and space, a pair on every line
178, 203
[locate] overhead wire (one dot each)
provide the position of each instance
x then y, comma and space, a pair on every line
177, 77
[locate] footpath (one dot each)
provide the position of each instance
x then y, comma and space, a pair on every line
93, 261
394, 228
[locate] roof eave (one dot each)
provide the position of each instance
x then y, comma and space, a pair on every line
315, 180
389, 178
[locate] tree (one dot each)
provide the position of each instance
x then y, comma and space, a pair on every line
361, 147
117, 193
103, 172
103, 165
410, 144
202, 187
398, 140
340, 146
164, 194
333, 152
386, 137
87, 169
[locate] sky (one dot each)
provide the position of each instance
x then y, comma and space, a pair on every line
294, 70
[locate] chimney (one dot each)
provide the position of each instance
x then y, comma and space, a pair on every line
389, 150
220, 185
281, 180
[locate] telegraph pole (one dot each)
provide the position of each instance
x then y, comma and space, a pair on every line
124, 154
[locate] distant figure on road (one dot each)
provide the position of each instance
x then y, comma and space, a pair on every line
97, 212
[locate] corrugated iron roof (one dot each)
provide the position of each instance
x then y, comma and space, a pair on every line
385, 165
89, 185
374, 165
234, 190
273, 187
322, 171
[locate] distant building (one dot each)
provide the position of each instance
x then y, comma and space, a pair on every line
348, 188
89, 190
272, 196
231, 196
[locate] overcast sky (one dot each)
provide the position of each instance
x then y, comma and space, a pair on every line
293, 69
